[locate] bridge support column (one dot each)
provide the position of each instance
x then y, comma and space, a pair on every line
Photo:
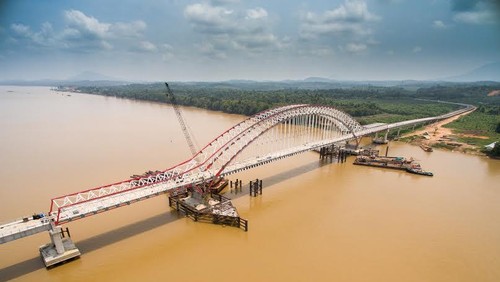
60, 249
385, 136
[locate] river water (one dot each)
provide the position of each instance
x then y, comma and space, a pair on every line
315, 221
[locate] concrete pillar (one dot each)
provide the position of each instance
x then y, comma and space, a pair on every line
385, 137
56, 238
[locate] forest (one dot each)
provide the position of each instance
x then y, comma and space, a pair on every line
367, 103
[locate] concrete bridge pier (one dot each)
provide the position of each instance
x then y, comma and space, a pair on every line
60, 249
385, 136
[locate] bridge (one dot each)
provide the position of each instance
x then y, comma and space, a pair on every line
266, 137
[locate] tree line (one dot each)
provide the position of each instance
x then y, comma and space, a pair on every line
366, 103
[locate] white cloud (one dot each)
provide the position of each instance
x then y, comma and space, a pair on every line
85, 33
210, 19
256, 13
439, 25
476, 12
21, 29
355, 48
417, 49
349, 22
225, 31
132, 29
476, 17
89, 26
147, 46
223, 2
42, 38
85, 24
351, 17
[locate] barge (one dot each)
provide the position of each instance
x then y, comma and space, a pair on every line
400, 163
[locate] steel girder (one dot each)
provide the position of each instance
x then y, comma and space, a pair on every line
212, 159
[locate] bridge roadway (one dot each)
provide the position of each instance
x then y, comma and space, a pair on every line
156, 186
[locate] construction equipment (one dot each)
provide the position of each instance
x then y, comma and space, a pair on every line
180, 118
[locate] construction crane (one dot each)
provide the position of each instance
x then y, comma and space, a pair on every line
180, 118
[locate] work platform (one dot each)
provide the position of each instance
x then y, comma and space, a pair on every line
51, 257
219, 210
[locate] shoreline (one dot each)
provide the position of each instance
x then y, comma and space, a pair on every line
437, 136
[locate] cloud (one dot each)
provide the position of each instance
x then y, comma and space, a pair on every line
476, 12
355, 48
223, 2
226, 30
209, 19
90, 27
349, 22
84, 33
42, 38
439, 25
21, 29
351, 17
256, 13
476, 17
87, 26
147, 46
417, 49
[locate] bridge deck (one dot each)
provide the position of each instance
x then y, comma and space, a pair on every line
22, 227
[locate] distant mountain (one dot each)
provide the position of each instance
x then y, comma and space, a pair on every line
92, 76
488, 72
318, 79
87, 78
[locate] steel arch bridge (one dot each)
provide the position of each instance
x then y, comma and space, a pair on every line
284, 131
293, 129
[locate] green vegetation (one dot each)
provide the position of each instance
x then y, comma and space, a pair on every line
482, 122
442, 145
367, 103
469, 93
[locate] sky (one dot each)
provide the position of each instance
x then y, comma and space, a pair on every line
213, 40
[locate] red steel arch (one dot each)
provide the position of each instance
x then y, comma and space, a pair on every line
209, 162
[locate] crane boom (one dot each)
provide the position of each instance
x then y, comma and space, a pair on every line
180, 118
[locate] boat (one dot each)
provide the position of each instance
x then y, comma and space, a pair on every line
426, 148
419, 171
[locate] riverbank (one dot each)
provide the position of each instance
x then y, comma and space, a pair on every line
437, 136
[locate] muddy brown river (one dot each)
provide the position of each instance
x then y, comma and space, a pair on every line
316, 221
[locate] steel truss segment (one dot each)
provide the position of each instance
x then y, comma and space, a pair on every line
216, 155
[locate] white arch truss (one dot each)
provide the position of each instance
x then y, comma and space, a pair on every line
209, 162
